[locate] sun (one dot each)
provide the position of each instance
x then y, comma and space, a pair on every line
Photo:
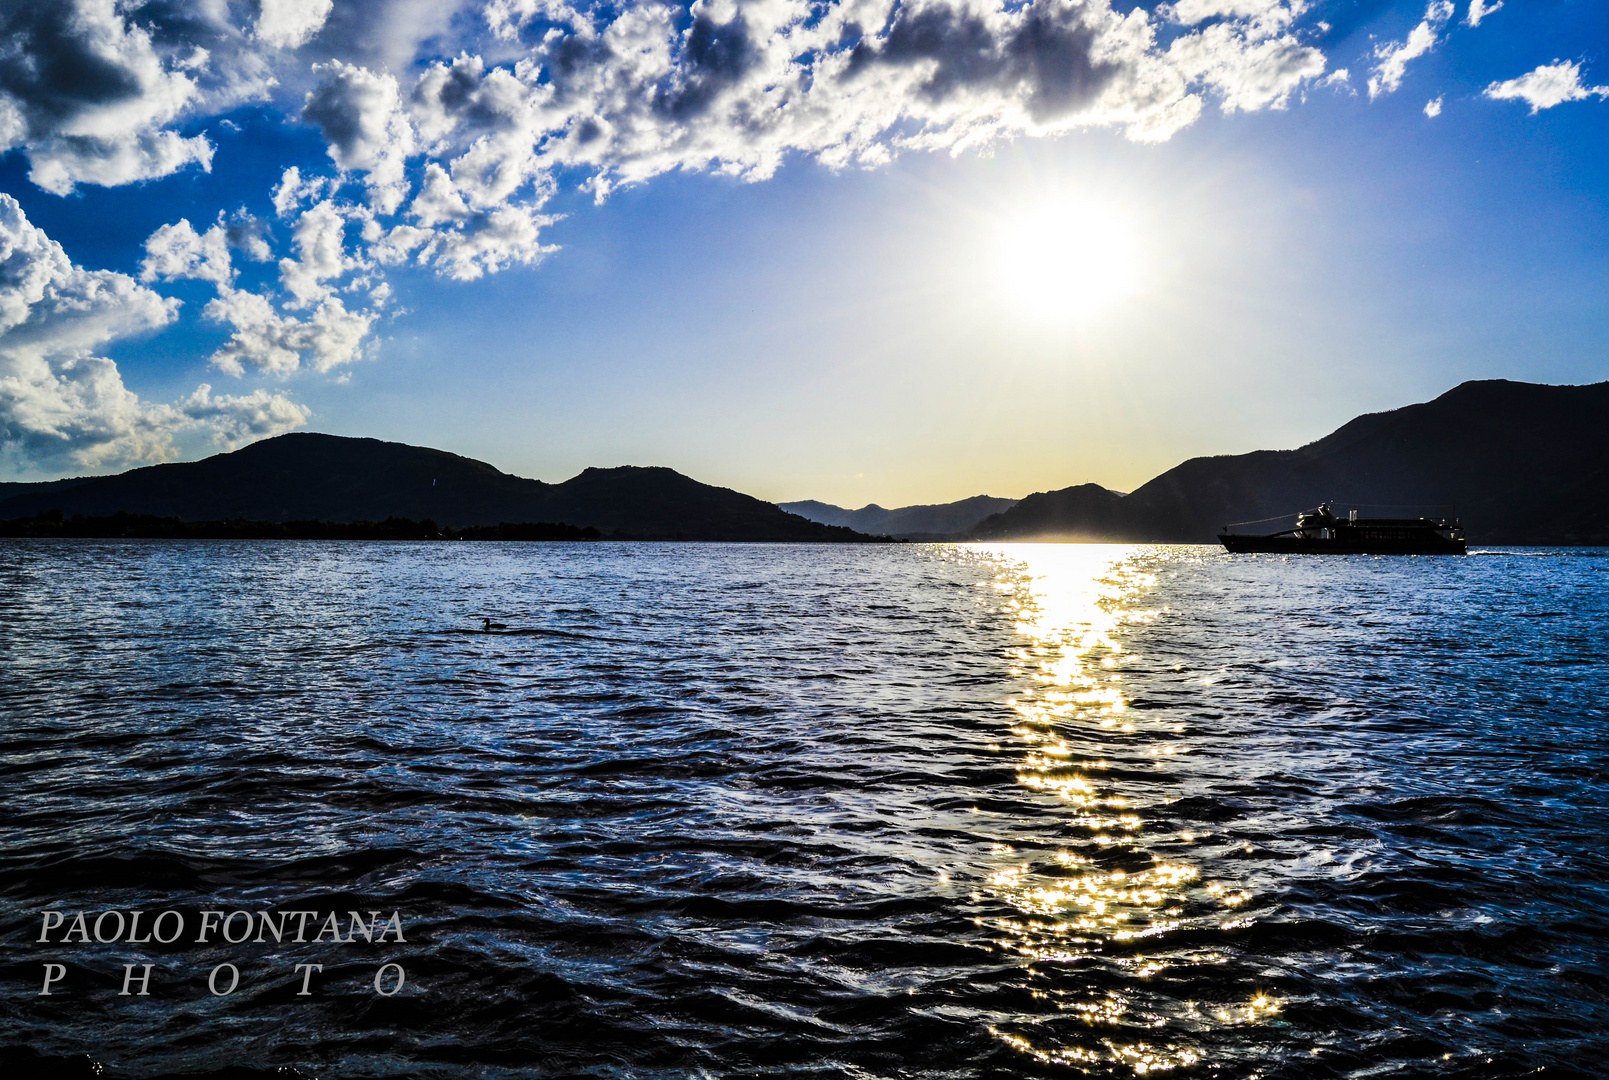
1066, 261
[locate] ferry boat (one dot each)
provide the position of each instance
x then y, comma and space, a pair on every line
1321, 532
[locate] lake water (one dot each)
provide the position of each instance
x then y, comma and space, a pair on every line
881, 811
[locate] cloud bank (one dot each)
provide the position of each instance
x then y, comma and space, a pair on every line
449, 126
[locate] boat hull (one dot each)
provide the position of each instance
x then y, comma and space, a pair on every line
1431, 544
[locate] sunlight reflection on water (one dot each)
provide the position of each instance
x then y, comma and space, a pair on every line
1074, 603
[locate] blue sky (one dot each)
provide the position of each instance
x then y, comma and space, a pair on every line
984, 249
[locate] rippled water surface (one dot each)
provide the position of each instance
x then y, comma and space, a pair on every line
903, 811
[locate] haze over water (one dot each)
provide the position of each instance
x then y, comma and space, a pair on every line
865, 811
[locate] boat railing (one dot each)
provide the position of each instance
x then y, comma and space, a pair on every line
1432, 511
1261, 521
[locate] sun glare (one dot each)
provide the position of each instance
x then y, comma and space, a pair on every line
1066, 261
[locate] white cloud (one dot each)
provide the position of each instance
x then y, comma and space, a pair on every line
1394, 57
64, 161
292, 190
461, 242
62, 406
243, 418
320, 242
1248, 75
1547, 86
438, 200
178, 251
490, 242
1479, 9
276, 344
265, 338
488, 123
1433, 108
360, 113
248, 233
483, 242
74, 411
1267, 13
507, 18
288, 193
622, 94
86, 92
286, 24
50, 307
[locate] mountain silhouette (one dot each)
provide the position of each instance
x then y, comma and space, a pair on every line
313, 477
926, 522
1519, 463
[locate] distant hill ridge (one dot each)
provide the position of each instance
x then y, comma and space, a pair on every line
934, 521
1522, 463
313, 477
